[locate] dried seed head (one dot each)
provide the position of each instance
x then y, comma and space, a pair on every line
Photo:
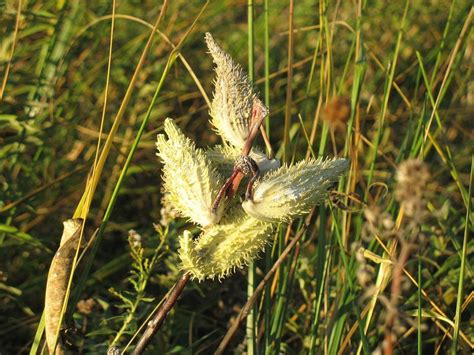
87, 306
412, 177
134, 239
291, 192
190, 183
234, 97
337, 112
167, 212
365, 275
223, 248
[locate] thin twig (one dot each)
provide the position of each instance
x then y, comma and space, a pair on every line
248, 306
161, 314
397, 279
10, 59
270, 152
289, 86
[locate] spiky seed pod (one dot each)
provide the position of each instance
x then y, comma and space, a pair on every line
223, 248
234, 97
189, 180
291, 191
58, 279
224, 157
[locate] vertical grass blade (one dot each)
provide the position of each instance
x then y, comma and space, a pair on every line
387, 92
460, 293
251, 278
420, 309
289, 83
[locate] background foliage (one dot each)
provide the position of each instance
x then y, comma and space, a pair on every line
403, 77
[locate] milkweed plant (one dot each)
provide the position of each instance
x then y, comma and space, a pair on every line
234, 232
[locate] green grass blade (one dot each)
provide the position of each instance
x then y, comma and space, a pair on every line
251, 278
460, 293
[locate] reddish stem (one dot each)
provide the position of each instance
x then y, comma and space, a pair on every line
161, 314
230, 187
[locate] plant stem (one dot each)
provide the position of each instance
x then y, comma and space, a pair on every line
251, 333
161, 314
459, 301
289, 92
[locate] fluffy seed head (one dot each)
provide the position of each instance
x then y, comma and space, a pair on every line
233, 97
223, 248
291, 191
337, 112
190, 183
412, 176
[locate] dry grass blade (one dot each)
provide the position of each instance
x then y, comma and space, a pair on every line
12, 50
83, 206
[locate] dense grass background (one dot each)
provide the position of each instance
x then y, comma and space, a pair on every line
402, 73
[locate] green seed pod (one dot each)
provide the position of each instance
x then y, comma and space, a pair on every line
223, 248
291, 191
190, 182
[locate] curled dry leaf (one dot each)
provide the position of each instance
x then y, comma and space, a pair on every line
58, 278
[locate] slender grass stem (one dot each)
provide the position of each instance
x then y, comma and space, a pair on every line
12, 50
251, 279
171, 59
289, 84
420, 309
460, 293
387, 92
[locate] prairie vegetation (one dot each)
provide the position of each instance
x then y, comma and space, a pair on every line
385, 265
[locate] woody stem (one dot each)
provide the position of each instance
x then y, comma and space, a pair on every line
161, 314
231, 185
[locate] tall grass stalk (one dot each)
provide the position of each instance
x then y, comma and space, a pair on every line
460, 291
251, 278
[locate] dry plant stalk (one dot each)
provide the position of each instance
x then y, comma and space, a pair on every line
412, 178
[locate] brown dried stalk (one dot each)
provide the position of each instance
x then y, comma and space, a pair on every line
394, 297
161, 314
244, 166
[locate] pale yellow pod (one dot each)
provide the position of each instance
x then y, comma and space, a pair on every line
58, 279
190, 182
291, 191
223, 248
